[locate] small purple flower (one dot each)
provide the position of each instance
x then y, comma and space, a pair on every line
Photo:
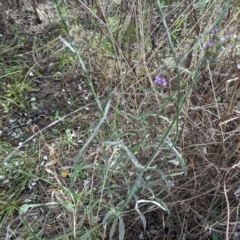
214, 31
222, 48
160, 81
111, 115
227, 35
204, 47
210, 44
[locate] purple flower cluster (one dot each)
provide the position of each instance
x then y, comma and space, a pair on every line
160, 81
215, 44
214, 31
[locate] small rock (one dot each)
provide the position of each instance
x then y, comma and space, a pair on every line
34, 106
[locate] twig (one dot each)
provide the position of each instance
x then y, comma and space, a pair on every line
227, 201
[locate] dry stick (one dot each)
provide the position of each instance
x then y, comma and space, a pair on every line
228, 208
34, 5
226, 197
142, 49
112, 38
40, 131
215, 100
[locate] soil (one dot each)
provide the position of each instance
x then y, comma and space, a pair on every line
53, 91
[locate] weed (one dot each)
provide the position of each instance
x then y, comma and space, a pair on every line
132, 162
15, 89
215, 44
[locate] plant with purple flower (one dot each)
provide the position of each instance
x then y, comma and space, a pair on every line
160, 81
204, 46
210, 44
227, 35
110, 116
215, 44
214, 31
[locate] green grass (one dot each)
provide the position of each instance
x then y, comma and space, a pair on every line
14, 87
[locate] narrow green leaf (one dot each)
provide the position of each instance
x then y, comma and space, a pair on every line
113, 228
141, 216
86, 236
30, 229
106, 110
132, 157
137, 185
129, 153
160, 204
163, 204
24, 208
108, 214
121, 229
69, 206
215, 236
178, 155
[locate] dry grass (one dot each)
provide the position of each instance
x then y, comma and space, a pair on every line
117, 156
